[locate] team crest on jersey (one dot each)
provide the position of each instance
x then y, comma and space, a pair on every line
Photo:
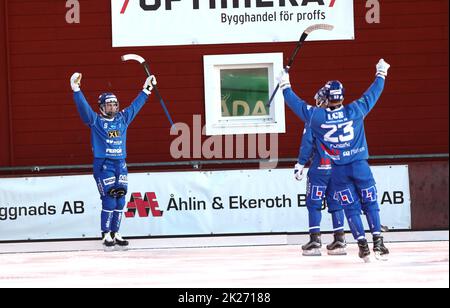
345, 197
318, 192
369, 194
114, 134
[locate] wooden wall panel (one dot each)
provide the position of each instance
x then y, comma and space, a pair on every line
410, 118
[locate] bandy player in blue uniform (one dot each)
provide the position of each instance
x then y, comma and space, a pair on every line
318, 189
341, 130
108, 138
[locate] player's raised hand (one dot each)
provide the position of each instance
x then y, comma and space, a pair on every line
149, 83
382, 68
75, 81
283, 79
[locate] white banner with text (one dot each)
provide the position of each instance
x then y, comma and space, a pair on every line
191, 22
181, 203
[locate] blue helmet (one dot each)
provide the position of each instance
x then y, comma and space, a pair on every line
334, 91
104, 99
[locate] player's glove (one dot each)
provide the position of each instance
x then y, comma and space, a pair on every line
298, 172
149, 83
283, 79
382, 68
75, 82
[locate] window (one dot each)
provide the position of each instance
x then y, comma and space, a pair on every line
237, 89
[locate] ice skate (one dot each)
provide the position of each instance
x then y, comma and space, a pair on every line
119, 241
337, 247
380, 251
364, 250
108, 241
312, 248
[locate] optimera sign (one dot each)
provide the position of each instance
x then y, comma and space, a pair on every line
188, 22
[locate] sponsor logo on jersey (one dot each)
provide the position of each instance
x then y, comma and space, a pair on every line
333, 154
114, 151
109, 181
340, 145
113, 134
335, 116
353, 151
325, 164
123, 178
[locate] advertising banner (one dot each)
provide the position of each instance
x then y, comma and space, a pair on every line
190, 22
182, 203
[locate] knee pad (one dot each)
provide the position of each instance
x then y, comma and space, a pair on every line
349, 212
120, 203
108, 203
333, 205
314, 206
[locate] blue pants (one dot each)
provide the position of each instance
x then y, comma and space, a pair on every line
318, 188
111, 177
355, 189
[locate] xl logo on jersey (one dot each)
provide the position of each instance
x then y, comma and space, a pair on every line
113, 134
345, 197
143, 207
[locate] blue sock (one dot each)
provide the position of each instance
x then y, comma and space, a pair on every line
356, 226
315, 217
116, 220
105, 220
117, 216
338, 220
373, 219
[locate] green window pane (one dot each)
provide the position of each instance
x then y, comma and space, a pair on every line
244, 92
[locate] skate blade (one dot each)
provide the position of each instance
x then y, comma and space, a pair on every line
108, 248
380, 257
121, 248
312, 253
366, 259
337, 252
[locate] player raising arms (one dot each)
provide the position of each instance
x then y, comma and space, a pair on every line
318, 189
341, 130
108, 138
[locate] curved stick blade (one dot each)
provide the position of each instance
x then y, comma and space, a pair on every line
134, 57
319, 27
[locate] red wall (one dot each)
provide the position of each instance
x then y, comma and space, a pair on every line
39, 124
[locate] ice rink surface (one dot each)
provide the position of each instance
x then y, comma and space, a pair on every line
411, 264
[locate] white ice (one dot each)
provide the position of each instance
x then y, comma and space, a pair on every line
410, 264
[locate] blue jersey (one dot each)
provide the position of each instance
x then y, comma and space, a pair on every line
312, 150
341, 131
109, 136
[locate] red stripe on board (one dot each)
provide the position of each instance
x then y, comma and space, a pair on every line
124, 7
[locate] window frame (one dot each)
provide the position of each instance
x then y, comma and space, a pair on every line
216, 124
